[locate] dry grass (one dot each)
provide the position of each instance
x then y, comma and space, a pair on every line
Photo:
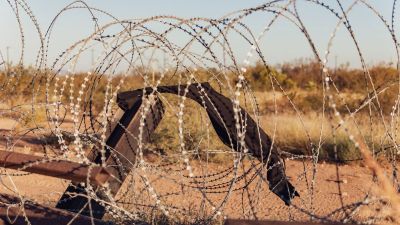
386, 189
294, 133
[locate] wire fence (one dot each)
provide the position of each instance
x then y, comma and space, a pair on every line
167, 107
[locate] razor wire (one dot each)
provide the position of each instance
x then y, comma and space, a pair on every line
183, 185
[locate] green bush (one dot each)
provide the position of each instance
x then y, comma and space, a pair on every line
341, 151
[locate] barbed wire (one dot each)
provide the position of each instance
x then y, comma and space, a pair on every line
81, 110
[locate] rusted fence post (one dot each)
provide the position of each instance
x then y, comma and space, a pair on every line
56, 168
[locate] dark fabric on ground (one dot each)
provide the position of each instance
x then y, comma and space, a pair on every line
221, 113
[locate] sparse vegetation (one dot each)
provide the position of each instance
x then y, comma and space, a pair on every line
302, 82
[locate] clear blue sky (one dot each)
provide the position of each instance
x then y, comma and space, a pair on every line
283, 44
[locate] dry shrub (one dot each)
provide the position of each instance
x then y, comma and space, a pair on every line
31, 119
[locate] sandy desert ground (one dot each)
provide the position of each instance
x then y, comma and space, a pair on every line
335, 187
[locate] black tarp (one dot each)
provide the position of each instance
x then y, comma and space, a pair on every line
220, 110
